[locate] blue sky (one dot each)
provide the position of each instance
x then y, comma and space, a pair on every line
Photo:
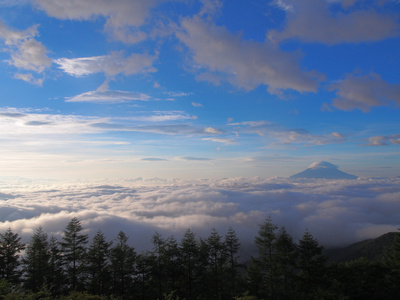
121, 89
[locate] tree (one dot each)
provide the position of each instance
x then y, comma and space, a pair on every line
98, 264
262, 269
10, 248
285, 264
217, 259
123, 258
145, 264
74, 252
36, 261
311, 265
56, 267
189, 250
232, 247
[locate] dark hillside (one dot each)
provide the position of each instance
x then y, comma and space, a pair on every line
371, 249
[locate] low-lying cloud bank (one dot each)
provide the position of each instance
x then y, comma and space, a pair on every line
336, 212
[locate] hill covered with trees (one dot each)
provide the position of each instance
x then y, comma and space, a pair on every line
75, 267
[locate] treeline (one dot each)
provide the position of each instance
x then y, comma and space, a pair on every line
194, 268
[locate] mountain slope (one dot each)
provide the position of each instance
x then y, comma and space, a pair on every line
323, 170
373, 249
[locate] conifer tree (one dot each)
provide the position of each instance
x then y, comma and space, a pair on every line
232, 247
98, 264
74, 252
311, 265
217, 260
189, 250
10, 249
285, 259
57, 278
262, 270
123, 259
36, 261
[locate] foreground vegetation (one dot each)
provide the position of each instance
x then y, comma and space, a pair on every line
194, 268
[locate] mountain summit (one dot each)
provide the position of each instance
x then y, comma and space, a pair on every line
323, 170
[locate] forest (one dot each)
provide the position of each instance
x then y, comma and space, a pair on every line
75, 267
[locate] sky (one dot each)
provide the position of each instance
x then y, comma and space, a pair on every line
198, 89
161, 115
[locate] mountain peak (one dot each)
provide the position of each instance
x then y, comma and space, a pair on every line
323, 170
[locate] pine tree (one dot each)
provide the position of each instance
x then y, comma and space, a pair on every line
36, 261
262, 271
98, 264
123, 259
159, 268
74, 252
10, 248
232, 246
217, 260
285, 264
57, 278
311, 264
189, 250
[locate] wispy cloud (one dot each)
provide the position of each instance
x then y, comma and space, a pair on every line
99, 96
111, 65
384, 140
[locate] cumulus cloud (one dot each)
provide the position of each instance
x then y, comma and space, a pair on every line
363, 92
336, 212
111, 65
26, 52
244, 64
313, 21
123, 17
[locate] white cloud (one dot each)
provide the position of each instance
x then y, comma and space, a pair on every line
28, 77
111, 65
123, 17
287, 136
26, 53
18, 122
196, 104
221, 140
312, 21
364, 92
31, 55
336, 212
108, 96
245, 64
384, 140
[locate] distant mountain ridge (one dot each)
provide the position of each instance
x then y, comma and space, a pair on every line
323, 170
372, 249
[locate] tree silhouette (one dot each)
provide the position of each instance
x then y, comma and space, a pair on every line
36, 261
10, 248
73, 247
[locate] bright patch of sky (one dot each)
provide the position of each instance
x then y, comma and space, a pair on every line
177, 89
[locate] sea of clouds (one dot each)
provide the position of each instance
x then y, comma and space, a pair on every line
336, 212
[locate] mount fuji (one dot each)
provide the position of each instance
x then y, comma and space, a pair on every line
323, 170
